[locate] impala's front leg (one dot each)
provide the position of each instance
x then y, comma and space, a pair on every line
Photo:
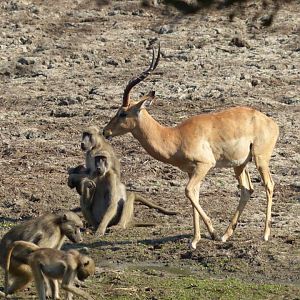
192, 192
197, 234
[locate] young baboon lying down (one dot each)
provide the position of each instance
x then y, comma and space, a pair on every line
48, 231
104, 200
51, 265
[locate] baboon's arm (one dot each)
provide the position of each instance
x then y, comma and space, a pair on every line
113, 200
86, 200
67, 284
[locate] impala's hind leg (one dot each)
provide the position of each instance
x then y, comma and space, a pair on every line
262, 165
246, 187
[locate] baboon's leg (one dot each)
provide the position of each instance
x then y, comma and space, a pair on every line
54, 289
114, 193
20, 278
39, 279
246, 187
109, 214
262, 165
86, 201
192, 193
127, 212
67, 285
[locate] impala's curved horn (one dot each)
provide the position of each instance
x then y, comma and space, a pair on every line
134, 81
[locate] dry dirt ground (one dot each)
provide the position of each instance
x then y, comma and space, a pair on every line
64, 65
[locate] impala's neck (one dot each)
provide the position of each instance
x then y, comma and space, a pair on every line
159, 141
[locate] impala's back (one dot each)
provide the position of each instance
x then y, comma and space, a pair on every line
228, 138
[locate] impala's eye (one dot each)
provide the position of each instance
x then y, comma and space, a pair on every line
122, 114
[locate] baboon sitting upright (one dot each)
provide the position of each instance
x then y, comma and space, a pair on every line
92, 141
104, 200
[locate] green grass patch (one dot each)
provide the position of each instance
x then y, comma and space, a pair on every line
153, 284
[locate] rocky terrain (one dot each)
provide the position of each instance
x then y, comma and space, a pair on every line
64, 65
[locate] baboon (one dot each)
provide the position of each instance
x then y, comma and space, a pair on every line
104, 200
91, 142
48, 231
53, 265
102, 195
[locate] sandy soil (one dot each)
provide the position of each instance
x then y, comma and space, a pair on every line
64, 65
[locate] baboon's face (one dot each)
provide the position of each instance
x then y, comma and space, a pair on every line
70, 226
87, 141
101, 164
86, 268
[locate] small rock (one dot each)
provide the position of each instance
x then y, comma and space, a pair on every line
174, 183
25, 40
290, 100
238, 42
267, 20
62, 114
139, 12
165, 29
25, 61
94, 91
112, 62
34, 198
254, 82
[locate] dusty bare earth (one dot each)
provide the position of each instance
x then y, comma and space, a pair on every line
64, 65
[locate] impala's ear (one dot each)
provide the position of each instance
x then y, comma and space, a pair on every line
146, 101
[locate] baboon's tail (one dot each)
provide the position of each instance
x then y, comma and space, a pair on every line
150, 204
28, 245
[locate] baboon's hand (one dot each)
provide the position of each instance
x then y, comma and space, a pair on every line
90, 184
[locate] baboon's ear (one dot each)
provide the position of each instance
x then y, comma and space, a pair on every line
65, 218
86, 263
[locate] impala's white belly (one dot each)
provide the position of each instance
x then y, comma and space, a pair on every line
232, 163
233, 153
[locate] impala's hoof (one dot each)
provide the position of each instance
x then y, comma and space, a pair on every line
193, 244
224, 238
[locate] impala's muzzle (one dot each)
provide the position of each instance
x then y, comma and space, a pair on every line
107, 134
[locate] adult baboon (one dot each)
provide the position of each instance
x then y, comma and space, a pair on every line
104, 201
48, 231
92, 141
53, 264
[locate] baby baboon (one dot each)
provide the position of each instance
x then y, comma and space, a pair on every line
47, 231
53, 265
105, 199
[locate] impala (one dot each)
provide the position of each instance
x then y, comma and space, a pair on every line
230, 138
